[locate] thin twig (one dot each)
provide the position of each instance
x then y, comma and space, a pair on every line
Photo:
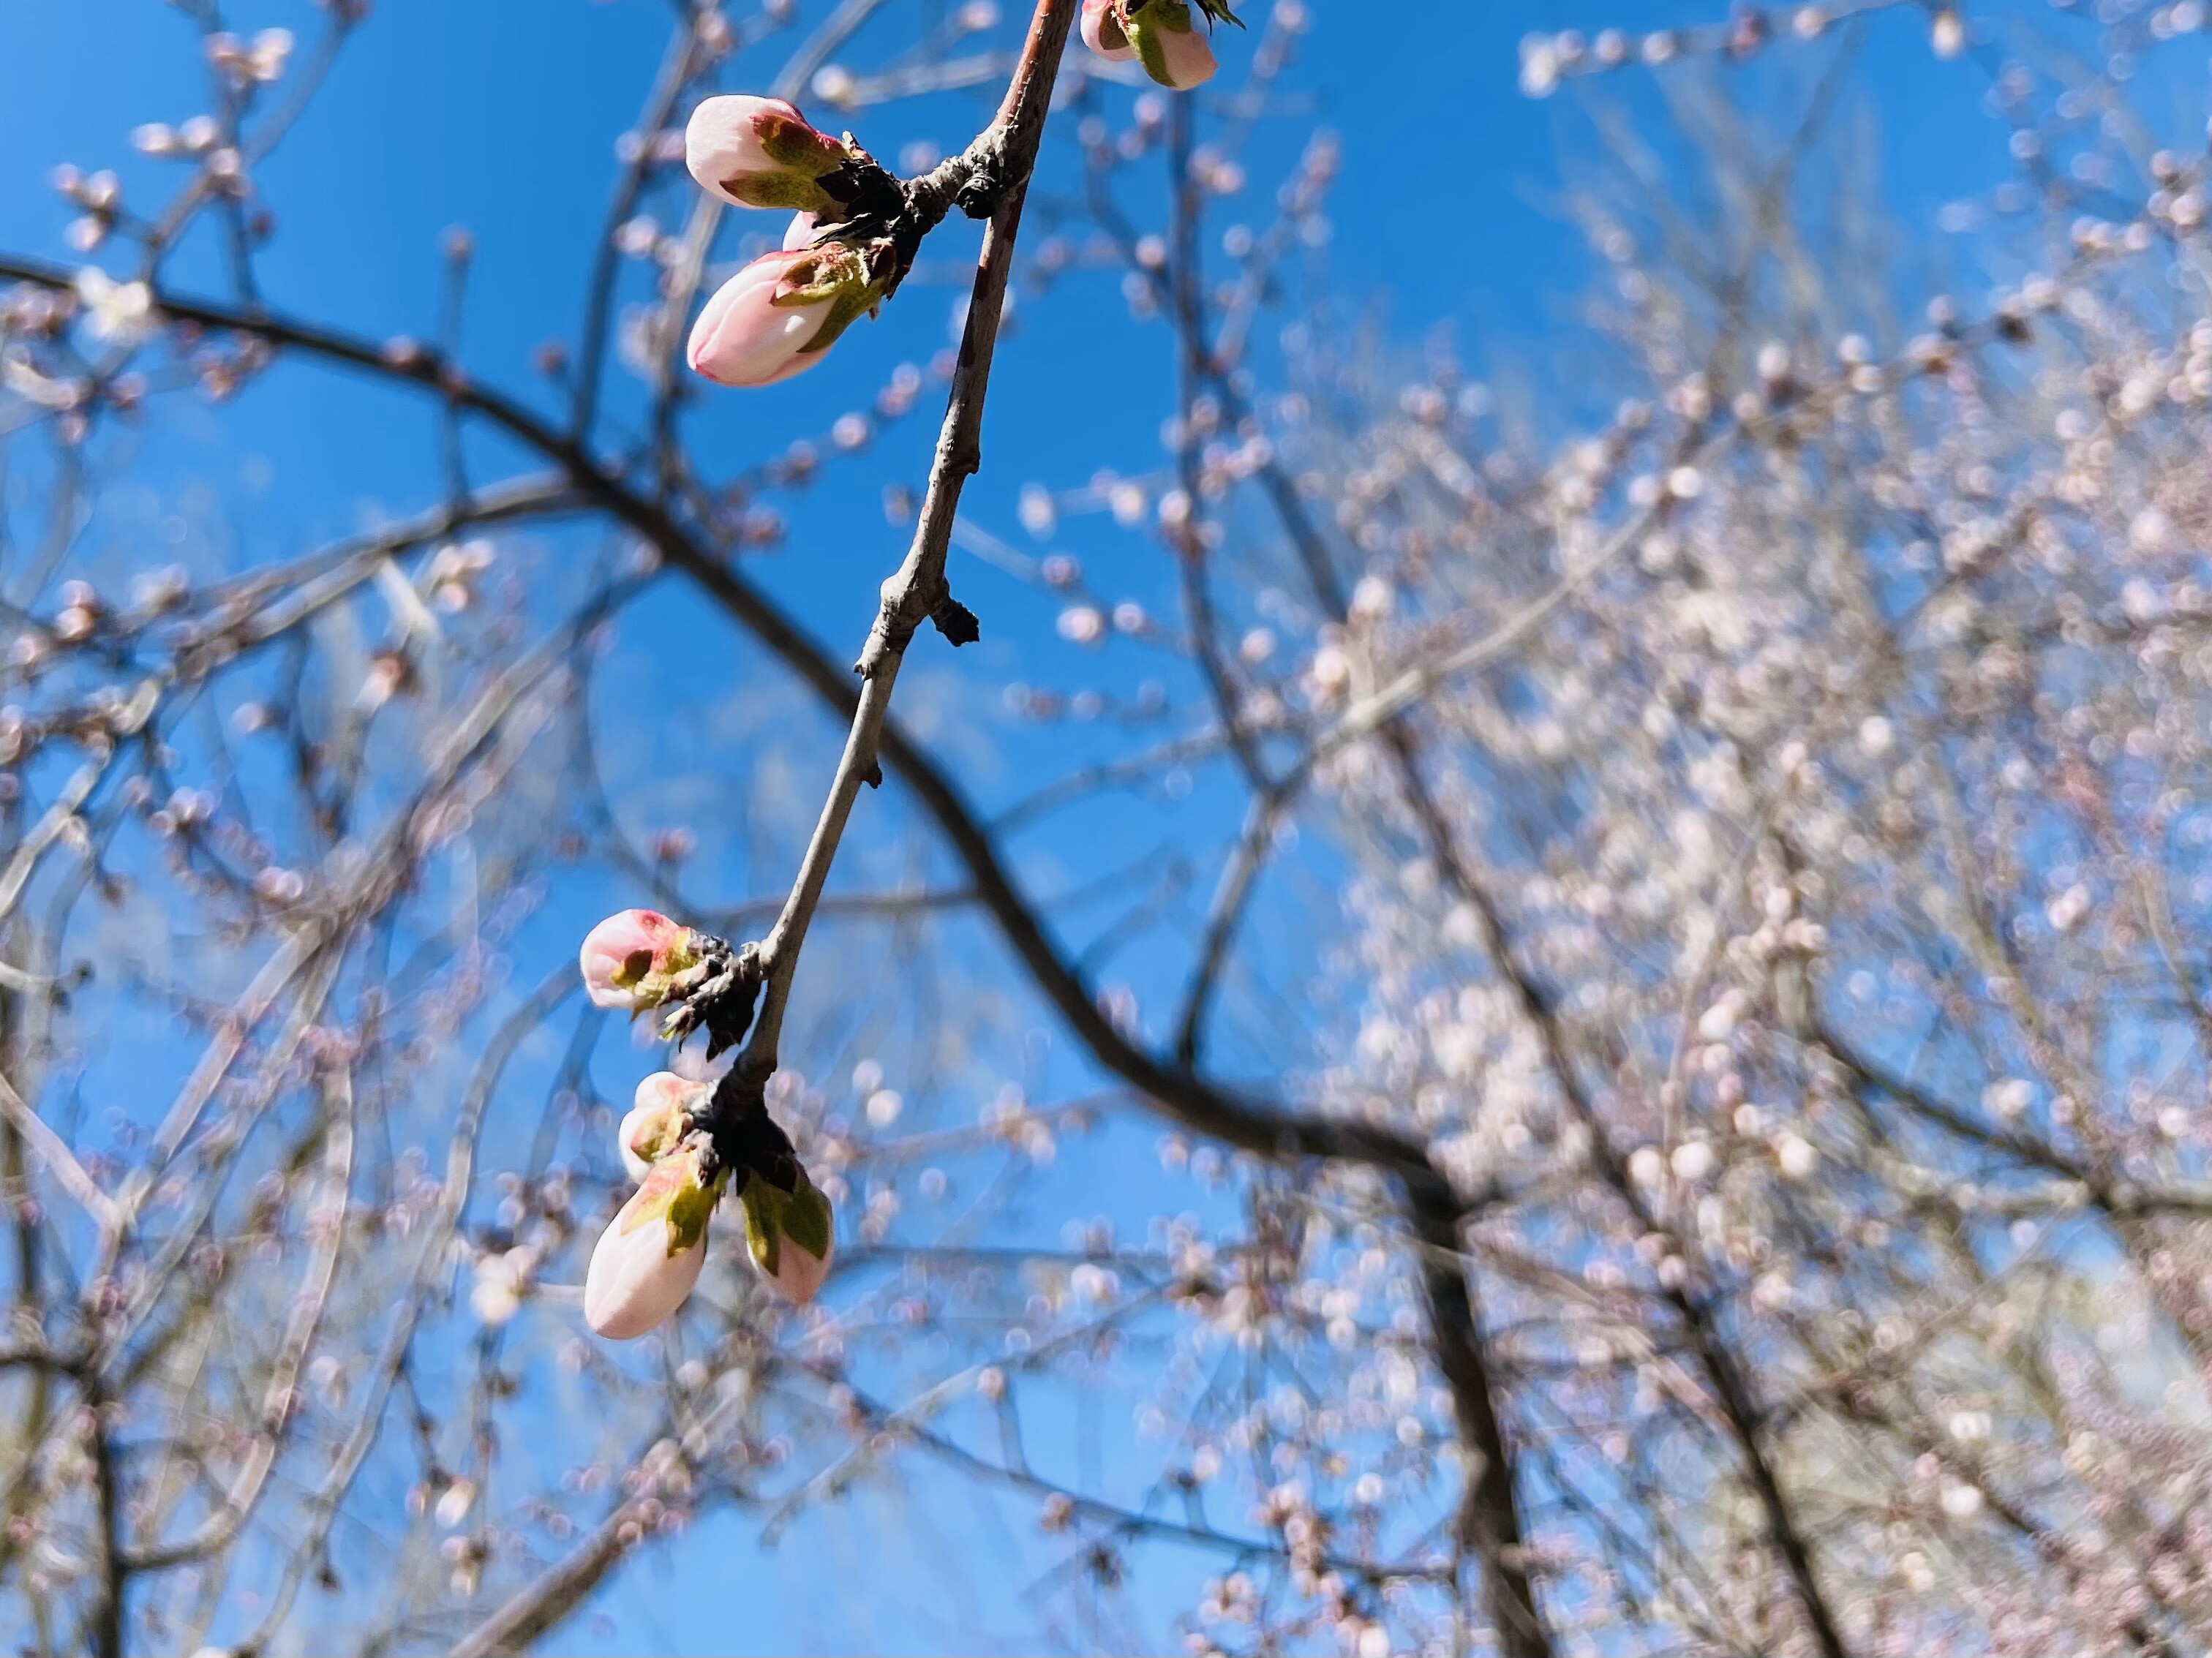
918, 591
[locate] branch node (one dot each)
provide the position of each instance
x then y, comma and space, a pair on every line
979, 193
721, 1003
954, 620
743, 1139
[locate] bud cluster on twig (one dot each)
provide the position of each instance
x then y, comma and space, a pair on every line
856, 226
687, 1143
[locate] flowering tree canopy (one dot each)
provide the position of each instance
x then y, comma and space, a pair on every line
1605, 1048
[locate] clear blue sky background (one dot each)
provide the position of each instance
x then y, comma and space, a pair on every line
501, 115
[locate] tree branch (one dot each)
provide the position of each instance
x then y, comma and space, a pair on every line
918, 591
1197, 1102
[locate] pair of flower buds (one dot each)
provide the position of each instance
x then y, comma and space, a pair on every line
780, 314
648, 1260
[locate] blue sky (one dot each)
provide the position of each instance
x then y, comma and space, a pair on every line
500, 115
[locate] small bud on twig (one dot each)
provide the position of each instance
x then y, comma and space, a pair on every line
656, 1124
789, 1235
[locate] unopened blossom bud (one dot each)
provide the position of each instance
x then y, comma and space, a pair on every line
649, 1258
1330, 675
780, 314
1160, 33
761, 152
629, 959
656, 1125
790, 1235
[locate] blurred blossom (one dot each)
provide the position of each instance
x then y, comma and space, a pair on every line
116, 313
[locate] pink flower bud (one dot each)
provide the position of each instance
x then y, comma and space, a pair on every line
800, 233
790, 1235
760, 152
779, 315
1175, 53
1102, 33
629, 959
656, 1124
649, 1258
1160, 33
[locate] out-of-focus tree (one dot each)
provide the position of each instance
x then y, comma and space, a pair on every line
1684, 1093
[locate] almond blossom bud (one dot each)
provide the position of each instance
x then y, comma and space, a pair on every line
1159, 33
656, 1125
789, 1234
761, 152
780, 314
649, 1258
629, 959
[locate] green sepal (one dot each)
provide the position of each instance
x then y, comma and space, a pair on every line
647, 987
763, 1227
1144, 28
827, 272
689, 1212
796, 144
797, 191
803, 1215
1219, 11
839, 273
807, 1218
850, 308
671, 1193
